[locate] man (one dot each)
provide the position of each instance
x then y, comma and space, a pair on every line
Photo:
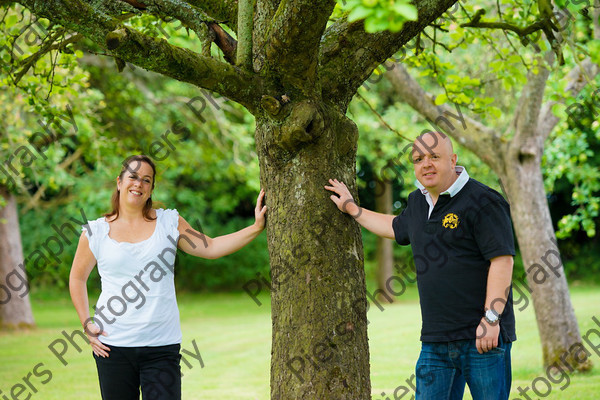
462, 242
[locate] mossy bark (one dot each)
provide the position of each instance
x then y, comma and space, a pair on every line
320, 348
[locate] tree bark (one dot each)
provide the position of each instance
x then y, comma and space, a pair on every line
557, 324
385, 253
15, 308
318, 299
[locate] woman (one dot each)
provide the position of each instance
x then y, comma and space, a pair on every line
135, 333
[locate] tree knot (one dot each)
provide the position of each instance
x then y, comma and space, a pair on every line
304, 124
270, 104
115, 38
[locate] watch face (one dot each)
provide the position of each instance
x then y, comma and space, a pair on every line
491, 316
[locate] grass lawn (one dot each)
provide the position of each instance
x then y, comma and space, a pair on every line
233, 336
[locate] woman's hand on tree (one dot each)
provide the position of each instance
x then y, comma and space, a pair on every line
260, 210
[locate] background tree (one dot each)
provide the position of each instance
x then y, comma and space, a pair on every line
15, 308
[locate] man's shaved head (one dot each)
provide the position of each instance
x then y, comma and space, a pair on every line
426, 142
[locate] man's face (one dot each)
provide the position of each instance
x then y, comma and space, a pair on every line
434, 162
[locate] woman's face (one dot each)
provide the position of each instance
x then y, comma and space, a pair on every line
136, 185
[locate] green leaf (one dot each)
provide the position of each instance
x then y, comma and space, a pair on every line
441, 99
558, 110
494, 112
515, 59
359, 12
594, 50
396, 26
407, 10
375, 25
11, 20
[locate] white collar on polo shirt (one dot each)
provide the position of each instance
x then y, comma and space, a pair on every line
459, 183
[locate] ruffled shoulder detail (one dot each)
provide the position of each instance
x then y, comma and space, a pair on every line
98, 227
169, 219
95, 231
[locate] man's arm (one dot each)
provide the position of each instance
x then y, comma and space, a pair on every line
498, 284
379, 224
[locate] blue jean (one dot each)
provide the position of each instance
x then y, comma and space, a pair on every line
444, 368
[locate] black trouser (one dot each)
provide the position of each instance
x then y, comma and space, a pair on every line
155, 369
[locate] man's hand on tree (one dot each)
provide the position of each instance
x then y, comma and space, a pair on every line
344, 200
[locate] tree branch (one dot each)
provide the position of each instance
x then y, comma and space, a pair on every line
190, 16
245, 22
577, 79
136, 4
263, 15
527, 142
151, 53
349, 55
224, 41
545, 23
32, 59
596, 18
469, 132
116, 8
34, 200
293, 40
223, 11
522, 32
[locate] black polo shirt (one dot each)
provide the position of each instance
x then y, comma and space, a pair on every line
451, 251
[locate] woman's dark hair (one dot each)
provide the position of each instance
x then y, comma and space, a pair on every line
115, 197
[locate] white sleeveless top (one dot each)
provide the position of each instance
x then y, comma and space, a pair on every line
137, 306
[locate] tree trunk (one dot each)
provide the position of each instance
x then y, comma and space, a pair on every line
318, 298
547, 283
385, 254
15, 309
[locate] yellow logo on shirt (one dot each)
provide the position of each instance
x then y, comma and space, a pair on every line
450, 221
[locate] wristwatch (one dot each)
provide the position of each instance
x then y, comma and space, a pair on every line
491, 316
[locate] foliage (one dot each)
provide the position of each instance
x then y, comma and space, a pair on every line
380, 15
573, 155
41, 131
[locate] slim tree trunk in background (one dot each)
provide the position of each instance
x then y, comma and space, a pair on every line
15, 309
385, 253
546, 278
